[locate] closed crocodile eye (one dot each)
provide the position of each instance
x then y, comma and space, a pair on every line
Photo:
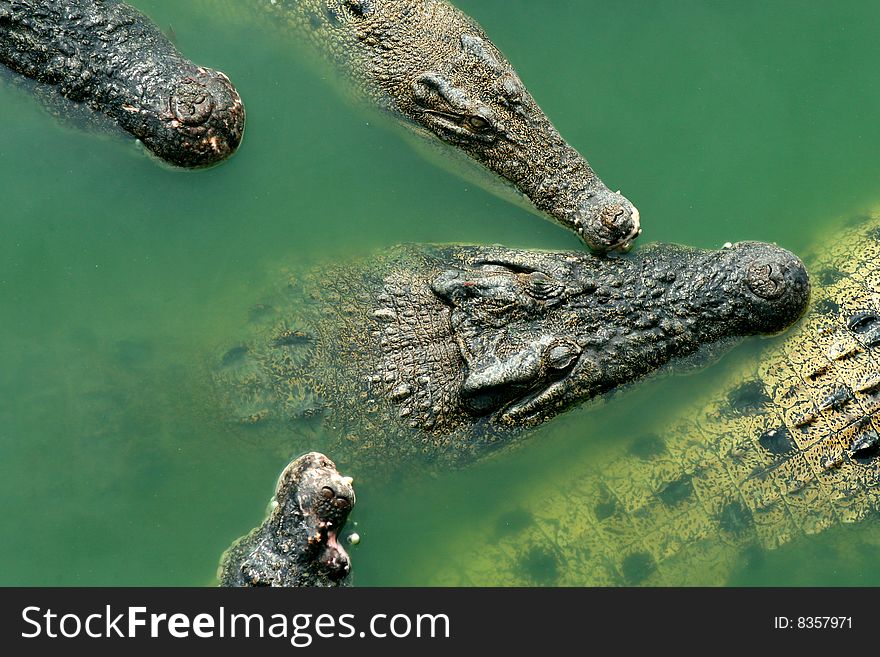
540, 286
560, 356
478, 123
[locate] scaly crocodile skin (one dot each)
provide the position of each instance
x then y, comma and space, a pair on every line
449, 352
789, 448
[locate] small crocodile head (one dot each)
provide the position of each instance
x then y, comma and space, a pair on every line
473, 99
195, 122
313, 503
539, 332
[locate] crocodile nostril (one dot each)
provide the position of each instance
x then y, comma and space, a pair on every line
765, 281
191, 103
611, 214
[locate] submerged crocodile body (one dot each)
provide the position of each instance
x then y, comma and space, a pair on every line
446, 352
788, 449
298, 543
109, 57
433, 68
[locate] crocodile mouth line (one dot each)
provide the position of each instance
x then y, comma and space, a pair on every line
335, 557
526, 408
626, 245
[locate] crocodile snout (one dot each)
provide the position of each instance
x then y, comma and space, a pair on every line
774, 284
203, 121
607, 221
191, 102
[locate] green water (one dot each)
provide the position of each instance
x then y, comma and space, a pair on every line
722, 121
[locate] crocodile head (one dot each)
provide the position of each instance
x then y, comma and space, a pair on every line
539, 332
473, 99
313, 503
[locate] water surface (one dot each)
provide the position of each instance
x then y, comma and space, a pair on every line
119, 277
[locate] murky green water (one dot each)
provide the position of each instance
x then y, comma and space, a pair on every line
721, 121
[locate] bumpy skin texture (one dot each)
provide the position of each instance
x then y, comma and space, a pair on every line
435, 69
298, 544
788, 447
110, 57
449, 351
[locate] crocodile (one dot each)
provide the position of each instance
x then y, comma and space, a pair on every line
787, 448
434, 69
298, 543
445, 353
110, 58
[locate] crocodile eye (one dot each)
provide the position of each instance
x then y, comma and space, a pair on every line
478, 123
327, 493
561, 355
540, 286
341, 503
358, 8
